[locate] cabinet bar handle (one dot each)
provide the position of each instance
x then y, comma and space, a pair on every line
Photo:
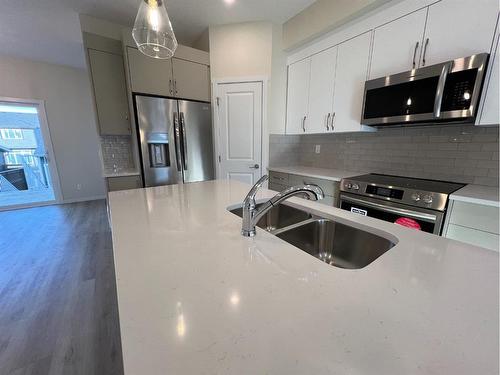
425, 51
328, 121
304, 123
333, 119
415, 55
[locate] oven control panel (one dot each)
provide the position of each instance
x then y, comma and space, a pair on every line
424, 199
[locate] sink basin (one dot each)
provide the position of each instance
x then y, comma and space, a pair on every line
280, 216
336, 244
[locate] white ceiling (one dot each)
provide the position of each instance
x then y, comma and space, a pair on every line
49, 30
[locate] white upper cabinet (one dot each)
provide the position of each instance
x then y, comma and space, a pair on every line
298, 96
350, 77
491, 111
321, 86
458, 28
397, 45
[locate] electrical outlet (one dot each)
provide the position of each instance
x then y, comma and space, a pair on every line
78, 186
317, 149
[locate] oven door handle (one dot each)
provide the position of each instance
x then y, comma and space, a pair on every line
393, 210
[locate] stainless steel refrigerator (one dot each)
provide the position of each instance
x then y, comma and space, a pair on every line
175, 140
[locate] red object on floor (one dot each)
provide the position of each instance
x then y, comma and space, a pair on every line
409, 223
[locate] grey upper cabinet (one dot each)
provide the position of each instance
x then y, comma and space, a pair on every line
170, 77
110, 92
191, 80
149, 75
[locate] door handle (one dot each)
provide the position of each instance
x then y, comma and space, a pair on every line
440, 88
177, 137
425, 51
415, 55
184, 141
304, 123
256, 166
328, 121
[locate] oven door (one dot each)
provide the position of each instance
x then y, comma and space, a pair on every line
429, 221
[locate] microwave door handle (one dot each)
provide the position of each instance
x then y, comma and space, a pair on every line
440, 88
177, 137
393, 210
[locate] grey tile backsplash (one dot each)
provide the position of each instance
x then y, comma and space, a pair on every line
457, 153
117, 153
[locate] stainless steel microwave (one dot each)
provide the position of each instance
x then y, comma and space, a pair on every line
446, 92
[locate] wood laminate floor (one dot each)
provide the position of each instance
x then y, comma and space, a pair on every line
58, 309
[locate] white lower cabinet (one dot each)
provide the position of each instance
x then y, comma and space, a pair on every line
473, 223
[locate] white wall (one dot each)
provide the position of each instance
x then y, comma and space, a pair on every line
323, 16
70, 113
240, 50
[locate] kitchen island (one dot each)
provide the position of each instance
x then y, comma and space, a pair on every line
196, 297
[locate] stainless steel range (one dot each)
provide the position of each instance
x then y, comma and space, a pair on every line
412, 202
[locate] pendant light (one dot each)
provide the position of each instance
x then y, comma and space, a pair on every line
153, 31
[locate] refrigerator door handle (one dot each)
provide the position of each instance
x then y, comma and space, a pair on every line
184, 141
177, 137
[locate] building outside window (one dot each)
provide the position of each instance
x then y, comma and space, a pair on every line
17, 157
11, 133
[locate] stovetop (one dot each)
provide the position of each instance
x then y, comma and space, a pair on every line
431, 186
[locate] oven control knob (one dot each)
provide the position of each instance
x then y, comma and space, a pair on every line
355, 186
415, 197
348, 185
427, 199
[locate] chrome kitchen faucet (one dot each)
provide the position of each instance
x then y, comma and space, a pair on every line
251, 215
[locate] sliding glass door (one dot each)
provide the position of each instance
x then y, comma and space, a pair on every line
26, 171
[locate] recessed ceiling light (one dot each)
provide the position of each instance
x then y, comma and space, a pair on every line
229, 2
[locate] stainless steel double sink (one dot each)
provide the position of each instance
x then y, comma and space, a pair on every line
334, 243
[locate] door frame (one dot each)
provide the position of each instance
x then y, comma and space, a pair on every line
264, 151
49, 150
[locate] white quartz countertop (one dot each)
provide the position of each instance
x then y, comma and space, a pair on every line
324, 173
195, 297
479, 194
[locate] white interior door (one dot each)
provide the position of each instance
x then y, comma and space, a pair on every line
240, 131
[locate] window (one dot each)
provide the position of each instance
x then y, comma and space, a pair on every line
11, 133
18, 157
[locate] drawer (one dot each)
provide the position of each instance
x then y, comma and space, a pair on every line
476, 216
330, 188
473, 236
124, 183
278, 177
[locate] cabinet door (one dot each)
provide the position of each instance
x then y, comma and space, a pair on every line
298, 96
397, 44
491, 111
350, 77
149, 75
110, 92
321, 91
191, 80
459, 28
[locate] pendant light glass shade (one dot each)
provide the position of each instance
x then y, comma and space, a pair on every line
153, 31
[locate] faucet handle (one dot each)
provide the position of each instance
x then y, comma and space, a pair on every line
250, 198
